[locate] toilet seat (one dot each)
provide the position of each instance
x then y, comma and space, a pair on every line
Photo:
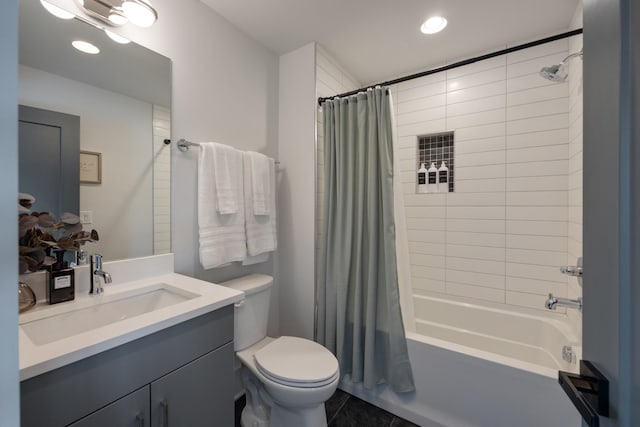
296, 362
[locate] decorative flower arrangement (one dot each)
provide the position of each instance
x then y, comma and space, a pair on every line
41, 235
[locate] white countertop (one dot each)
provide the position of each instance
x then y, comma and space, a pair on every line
38, 359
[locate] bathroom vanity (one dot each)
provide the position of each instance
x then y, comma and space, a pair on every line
166, 361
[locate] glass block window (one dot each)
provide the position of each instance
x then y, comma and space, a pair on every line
436, 148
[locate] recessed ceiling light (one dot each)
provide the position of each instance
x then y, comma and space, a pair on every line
57, 11
85, 47
116, 37
433, 25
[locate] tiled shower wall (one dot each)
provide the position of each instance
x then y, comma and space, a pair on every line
502, 235
161, 181
575, 164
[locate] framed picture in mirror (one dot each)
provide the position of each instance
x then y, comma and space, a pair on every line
90, 167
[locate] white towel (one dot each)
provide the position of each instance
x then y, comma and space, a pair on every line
260, 229
226, 163
260, 183
222, 236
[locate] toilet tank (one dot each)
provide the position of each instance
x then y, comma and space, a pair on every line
252, 313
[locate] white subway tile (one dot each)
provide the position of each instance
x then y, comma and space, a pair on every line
476, 279
476, 199
476, 212
480, 172
537, 109
476, 92
475, 252
408, 165
423, 128
475, 239
558, 46
536, 213
476, 119
536, 287
541, 228
547, 168
476, 79
475, 265
477, 185
477, 292
476, 225
422, 91
537, 198
432, 224
480, 132
487, 64
422, 284
525, 256
421, 81
537, 124
479, 146
436, 261
428, 199
419, 271
422, 104
538, 183
421, 116
427, 248
477, 105
543, 93
408, 152
538, 139
481, 158
425, 212
429, 236
538, 154
536, 243
528, 81
537, 272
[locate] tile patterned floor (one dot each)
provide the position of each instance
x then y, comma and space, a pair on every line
344, 410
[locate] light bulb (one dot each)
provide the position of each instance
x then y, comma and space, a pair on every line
57, 11
117, 18
139, 12
433, 25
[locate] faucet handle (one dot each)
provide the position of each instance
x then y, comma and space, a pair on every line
96, 261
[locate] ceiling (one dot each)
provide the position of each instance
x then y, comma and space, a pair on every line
376, 40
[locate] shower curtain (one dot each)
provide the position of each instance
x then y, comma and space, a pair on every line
359, 315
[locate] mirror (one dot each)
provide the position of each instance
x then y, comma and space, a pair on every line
122, 97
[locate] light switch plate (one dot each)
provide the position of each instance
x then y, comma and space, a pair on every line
86, 217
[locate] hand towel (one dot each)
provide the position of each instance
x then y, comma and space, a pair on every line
222, 237
227, 162
260, 229
260, 183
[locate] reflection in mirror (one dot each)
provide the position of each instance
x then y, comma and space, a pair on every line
122, 97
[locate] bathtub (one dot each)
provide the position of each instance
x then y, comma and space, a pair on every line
482, 367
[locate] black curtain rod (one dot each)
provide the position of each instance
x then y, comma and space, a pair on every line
460, 63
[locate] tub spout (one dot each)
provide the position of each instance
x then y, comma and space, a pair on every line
553, 302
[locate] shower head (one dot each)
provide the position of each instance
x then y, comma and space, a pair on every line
555, 73
558, 73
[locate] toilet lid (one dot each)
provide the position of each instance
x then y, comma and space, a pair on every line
297, 361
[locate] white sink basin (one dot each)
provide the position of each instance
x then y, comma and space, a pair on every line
105, 310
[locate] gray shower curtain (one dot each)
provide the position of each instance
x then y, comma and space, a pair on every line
359, 316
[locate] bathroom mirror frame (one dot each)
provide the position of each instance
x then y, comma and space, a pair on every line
123, 96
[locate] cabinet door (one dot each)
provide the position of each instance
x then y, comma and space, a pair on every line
129, 411
198, 394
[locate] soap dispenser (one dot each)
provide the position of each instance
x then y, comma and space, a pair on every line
432, 179
443, 178
422, 179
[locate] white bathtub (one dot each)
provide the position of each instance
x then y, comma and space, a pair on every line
482, 367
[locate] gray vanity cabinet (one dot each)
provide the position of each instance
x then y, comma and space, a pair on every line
178, 376
130, 411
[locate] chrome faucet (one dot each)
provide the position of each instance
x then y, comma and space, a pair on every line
96, 273
553, 302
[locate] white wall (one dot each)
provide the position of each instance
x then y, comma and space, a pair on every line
501, 236
9, 391
120, 128
296, 185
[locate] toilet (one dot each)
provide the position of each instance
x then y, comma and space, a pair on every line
287, 379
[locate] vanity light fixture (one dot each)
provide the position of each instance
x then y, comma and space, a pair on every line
56, 11
433, 25
140, 12
116, 16
116, 37
85, 47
